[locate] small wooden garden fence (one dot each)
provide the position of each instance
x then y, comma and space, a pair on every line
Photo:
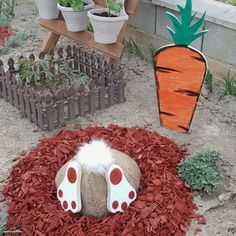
105, 89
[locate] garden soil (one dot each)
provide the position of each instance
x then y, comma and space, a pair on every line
213, 127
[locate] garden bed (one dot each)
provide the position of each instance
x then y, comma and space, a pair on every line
49, 110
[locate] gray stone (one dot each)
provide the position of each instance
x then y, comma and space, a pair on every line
162, 21
145, 18
219, 43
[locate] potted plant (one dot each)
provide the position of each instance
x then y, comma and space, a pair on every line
107, 22
75, 13
180, 71
47, 9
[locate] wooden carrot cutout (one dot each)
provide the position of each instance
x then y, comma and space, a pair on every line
180, 71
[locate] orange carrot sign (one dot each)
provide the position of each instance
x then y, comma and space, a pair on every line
180, 71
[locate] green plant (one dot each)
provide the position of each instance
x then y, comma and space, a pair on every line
134, 48
7, 8
202, 170
3, 50
232, 2
16, 40
114, 7
34, 72
4, 21
90, 27
152, 51
13, 41
77, 5
209, 81
184, 30
66, 72
42, 72
228, 84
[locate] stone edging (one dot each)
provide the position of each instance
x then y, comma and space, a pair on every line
217, 12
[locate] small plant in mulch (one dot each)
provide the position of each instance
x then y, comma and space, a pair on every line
43, 74
202, 170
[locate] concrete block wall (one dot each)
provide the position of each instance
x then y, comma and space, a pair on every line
148, 27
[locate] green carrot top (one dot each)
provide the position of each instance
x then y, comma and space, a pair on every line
185, 32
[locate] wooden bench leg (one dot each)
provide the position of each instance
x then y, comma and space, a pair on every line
49, 42
121, 38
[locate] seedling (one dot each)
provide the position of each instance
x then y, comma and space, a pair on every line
90, 27
152, 51
42, 72
77, 5
228, 84
202, 170
209, 81
114, 7
134, 48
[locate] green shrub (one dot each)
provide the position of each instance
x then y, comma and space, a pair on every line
42, 72
201, 171
232, 2
7, 8
16, 40
4, 21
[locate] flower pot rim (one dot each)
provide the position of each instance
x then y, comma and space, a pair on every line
70, 9
123, 17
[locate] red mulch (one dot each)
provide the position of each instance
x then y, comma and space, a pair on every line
164, 206
5, 32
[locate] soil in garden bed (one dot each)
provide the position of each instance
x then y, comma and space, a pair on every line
5, 33
104, 14
164, 205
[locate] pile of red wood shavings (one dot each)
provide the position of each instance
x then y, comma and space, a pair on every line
5, 33
164, 206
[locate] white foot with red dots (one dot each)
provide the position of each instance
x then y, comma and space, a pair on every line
68, 191
120, 193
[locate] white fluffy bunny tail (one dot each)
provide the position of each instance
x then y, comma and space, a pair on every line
95, 156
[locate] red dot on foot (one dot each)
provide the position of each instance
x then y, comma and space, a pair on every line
115, 205
60, 193
124, 206
65, 205
71, 175
73, 204
131, 195
115, 176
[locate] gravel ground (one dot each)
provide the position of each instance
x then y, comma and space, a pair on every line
213, 127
